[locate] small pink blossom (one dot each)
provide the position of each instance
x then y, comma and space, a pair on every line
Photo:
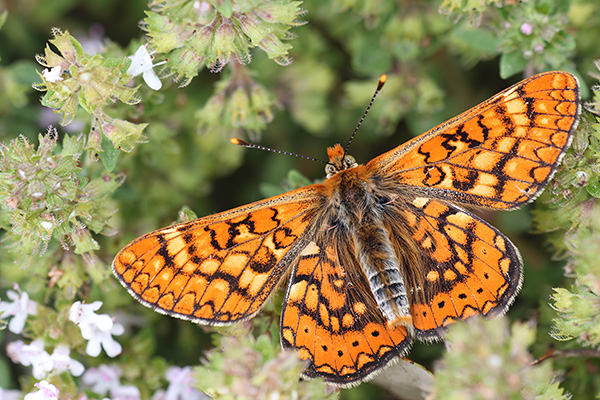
125, 392
47, 391
96, 329
18, 309
103, 379
526, 29
181, 385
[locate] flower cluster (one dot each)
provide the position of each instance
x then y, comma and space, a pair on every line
489, 360
74, 79
105, 380
212, 33
534, 38
239, 103
46, 197
181, 386
255, 368
41, 362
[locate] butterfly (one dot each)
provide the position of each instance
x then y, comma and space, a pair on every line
377, 254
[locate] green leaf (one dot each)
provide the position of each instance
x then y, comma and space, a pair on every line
3, 17
512, 63
225, 8
593, 188
109, 155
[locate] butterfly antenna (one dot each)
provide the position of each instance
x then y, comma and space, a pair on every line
380, 84
249, 145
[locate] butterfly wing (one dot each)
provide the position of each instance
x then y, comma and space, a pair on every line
467, 266
331, 318
499, 154
221, 268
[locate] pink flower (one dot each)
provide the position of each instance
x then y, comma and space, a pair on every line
47, 392
103, 379
181, 385
526, 29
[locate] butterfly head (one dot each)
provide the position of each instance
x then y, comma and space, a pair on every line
338, 161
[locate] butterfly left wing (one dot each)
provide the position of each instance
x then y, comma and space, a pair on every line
499, 154
331, 318
218, 269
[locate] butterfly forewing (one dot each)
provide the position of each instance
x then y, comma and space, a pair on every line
218, 269
499, 154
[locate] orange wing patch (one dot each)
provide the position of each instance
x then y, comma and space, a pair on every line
218, 269
335, 323
499, 154
469, 267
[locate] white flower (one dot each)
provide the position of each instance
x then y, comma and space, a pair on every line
141, 63
103, 379
125, 392
52, 75
97, 329
181, 385
47, 392
10, 394
62, 362
19, 309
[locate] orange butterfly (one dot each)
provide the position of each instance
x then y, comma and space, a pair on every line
377, 253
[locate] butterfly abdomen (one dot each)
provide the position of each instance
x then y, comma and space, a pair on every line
381, 266
362, 204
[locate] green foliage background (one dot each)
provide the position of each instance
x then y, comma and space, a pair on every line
133, 160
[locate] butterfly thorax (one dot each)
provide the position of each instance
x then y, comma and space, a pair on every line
359, 208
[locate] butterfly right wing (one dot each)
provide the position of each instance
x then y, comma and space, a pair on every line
221, 268
332, 319
499, 154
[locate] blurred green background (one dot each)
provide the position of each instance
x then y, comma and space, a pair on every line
441, 57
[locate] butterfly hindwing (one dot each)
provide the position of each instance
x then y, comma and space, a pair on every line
332, 319
499, 154
467, 266
218, 269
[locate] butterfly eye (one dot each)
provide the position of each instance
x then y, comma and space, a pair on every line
330, 170
349, 162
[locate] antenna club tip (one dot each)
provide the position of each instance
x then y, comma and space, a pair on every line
237, 141
382, 80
